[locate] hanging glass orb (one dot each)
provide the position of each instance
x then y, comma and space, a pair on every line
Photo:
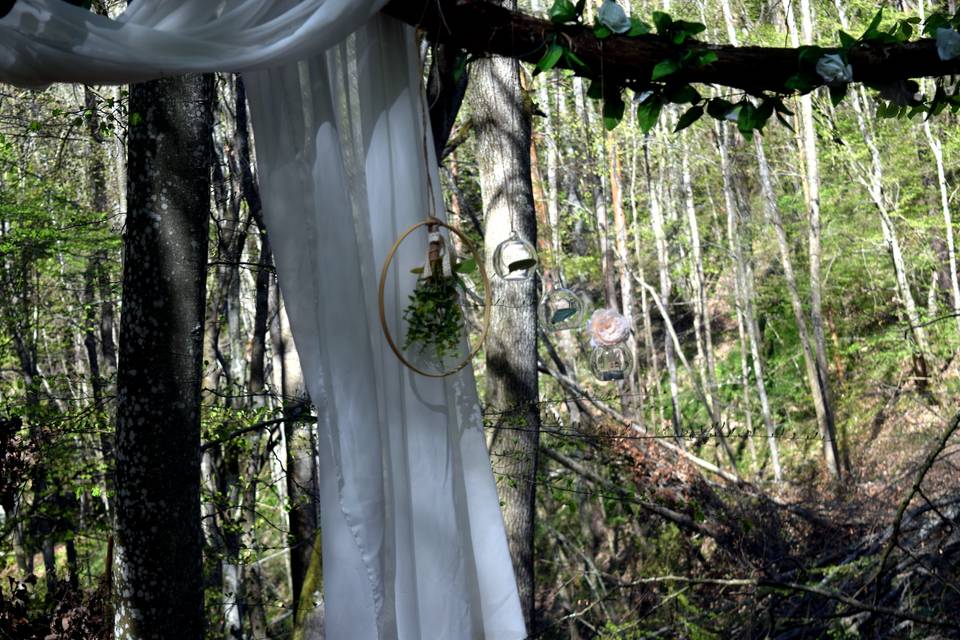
611, 363
515, 259
561, 309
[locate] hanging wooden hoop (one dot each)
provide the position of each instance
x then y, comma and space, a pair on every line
487, 297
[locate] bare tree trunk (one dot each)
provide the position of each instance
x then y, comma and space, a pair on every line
874, 185
821, 402
503, 137
630, 400
666, 286
937, 149
95, 267
158, 583
708, 369
257, 383
743, 276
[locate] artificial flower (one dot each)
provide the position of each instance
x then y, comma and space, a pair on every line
613, 17
607, 328
834, 70
948, 43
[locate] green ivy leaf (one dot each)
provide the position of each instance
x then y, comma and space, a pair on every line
550, 58
846, 40
838, 93
784, 121
872, 29
649, 112
689, 28
808, 55
719, 108
562, 11
665, 68
707, 57
573, 60
638, 28
601, 32
663, 22
933, 22
466, 266
692, 114
612, 112
682, 94
595, 90
745, 122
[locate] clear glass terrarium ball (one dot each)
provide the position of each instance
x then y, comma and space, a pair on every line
515, 259
560, 310
611, 363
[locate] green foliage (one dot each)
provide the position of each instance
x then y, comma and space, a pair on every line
434, 317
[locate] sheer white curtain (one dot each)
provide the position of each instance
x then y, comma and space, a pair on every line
413, 541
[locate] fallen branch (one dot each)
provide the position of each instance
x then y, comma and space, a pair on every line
572, 386
901, 510
676, 517
793, 586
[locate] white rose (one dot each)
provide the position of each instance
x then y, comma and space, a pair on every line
607, 328
948, 43
641, 97
833, 70
613, 17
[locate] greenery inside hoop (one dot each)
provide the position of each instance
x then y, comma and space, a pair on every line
434, 315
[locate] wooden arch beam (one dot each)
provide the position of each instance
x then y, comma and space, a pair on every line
483, 28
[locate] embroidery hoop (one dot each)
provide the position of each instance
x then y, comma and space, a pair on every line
487, 298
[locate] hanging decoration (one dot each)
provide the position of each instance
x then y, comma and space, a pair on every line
560, 309
434, 315
515, 258
611, 358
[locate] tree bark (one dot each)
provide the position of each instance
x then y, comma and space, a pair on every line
821, 401
503, 138
741, 252
658, 224
158, 586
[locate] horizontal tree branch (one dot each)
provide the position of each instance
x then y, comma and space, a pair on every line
483, 28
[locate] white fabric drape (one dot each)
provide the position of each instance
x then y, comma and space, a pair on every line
413, 541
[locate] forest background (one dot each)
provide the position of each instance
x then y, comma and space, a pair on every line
779, 463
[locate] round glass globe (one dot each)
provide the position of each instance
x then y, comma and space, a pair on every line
561, 309
515, 259
611, 363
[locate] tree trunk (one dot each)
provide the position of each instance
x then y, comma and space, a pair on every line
503, 138
708, 369
658, 224
937, 149
158, 586
744, 299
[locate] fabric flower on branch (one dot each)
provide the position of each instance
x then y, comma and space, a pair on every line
607, 328
834, 70
613, 17
948, 43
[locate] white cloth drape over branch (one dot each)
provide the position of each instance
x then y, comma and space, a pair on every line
413, 541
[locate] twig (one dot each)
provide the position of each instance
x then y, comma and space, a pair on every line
253, 427
901, 510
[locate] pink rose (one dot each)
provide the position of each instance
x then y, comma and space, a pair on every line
607, 328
